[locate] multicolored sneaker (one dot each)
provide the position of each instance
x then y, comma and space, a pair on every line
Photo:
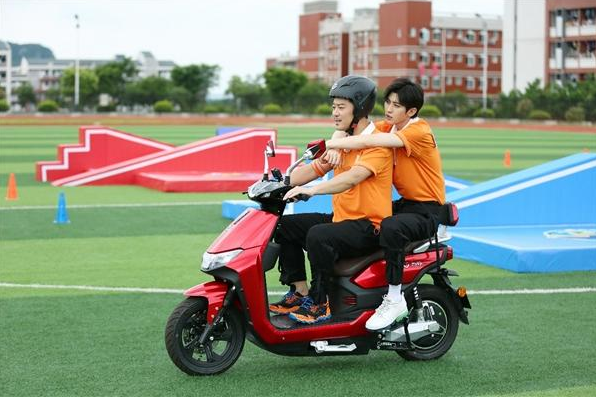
289, 303
309, 313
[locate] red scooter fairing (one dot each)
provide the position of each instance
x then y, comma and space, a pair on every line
250, 229
374, 275
214, 292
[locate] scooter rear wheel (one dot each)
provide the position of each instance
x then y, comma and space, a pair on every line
184, 328
438, 306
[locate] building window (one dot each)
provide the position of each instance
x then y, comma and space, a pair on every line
436, 82
437, 35
399, 56
437, 57
480, 59
495, 81
471, 60
458, 80
459, 58
412, 56
449, 80
424, 81
449, 57
413, 32
470, 83
495, 59
303, 41
424, 58
399, 33
471, 37
449, 33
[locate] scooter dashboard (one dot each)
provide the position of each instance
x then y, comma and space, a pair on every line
267, 190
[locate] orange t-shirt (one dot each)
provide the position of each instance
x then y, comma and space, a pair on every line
417, 174
371, 198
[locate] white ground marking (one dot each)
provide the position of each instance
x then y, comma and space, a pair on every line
537, 291
47, 207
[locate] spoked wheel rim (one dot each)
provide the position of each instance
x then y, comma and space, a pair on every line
435, 312
215, 348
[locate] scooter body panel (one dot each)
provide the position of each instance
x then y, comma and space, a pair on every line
214, 292
252, 228
374, 275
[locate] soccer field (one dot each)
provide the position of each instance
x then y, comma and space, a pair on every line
73, 342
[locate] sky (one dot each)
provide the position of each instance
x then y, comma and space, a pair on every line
237, 35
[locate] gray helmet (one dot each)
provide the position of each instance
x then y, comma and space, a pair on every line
359, 90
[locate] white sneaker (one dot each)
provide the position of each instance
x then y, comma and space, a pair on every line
387, 313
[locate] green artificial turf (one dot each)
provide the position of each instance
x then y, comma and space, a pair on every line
87, 343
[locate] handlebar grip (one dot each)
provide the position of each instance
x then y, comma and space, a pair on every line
302, 197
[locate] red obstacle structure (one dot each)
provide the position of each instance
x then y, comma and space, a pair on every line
229, 163
98, 147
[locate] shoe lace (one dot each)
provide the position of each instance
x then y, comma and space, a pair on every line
384, 305
307, 303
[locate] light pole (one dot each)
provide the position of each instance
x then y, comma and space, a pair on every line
76, 87
484, 61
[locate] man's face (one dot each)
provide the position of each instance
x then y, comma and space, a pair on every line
395, 112
343, 113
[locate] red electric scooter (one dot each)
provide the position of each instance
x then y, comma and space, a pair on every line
205, 333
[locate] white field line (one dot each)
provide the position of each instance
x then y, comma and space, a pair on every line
538, 291
175, 204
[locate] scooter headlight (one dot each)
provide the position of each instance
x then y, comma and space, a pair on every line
215, 261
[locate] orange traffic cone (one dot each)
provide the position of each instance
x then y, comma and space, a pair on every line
11, 192
507, 158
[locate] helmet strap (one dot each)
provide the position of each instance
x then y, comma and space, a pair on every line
353, 125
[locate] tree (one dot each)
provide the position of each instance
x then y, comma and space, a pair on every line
87, 86
196, 79
311, 95
147, 91
283, 84
181, 97
26, 95
249, 94
113, 76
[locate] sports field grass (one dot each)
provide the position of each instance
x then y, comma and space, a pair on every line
60, 342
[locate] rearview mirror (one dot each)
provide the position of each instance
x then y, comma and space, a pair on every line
315, 149
270, 149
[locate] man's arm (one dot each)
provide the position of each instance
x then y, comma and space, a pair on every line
340, 183
389, 140
306, 173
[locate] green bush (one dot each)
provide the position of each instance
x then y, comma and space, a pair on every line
163, 106
272, 108
378, 110
47, 106
575, 113
486, 113
4, 105
430, 111
107, 108
538, 114
323, 109
213, 108
524, 107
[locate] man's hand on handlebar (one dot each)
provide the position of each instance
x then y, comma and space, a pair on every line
299, 193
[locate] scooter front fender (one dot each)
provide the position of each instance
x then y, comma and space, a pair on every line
214, 292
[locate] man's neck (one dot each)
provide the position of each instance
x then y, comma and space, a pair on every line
361, 126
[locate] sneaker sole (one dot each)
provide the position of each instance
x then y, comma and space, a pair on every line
283, 310
318, 320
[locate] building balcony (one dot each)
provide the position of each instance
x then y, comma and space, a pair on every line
580, 62
573, 30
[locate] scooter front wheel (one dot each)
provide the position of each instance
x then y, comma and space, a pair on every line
219, 352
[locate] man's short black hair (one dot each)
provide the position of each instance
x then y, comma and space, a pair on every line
409, 93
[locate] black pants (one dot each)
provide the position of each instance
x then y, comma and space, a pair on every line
325, 242
411, 221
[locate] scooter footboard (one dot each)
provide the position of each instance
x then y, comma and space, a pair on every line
214, 292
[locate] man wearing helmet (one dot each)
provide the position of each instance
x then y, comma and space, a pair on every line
362, 189
418, 178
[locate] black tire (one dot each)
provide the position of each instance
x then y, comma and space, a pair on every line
185, 326
438, 305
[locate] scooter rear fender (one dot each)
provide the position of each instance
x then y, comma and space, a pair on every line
214, 292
